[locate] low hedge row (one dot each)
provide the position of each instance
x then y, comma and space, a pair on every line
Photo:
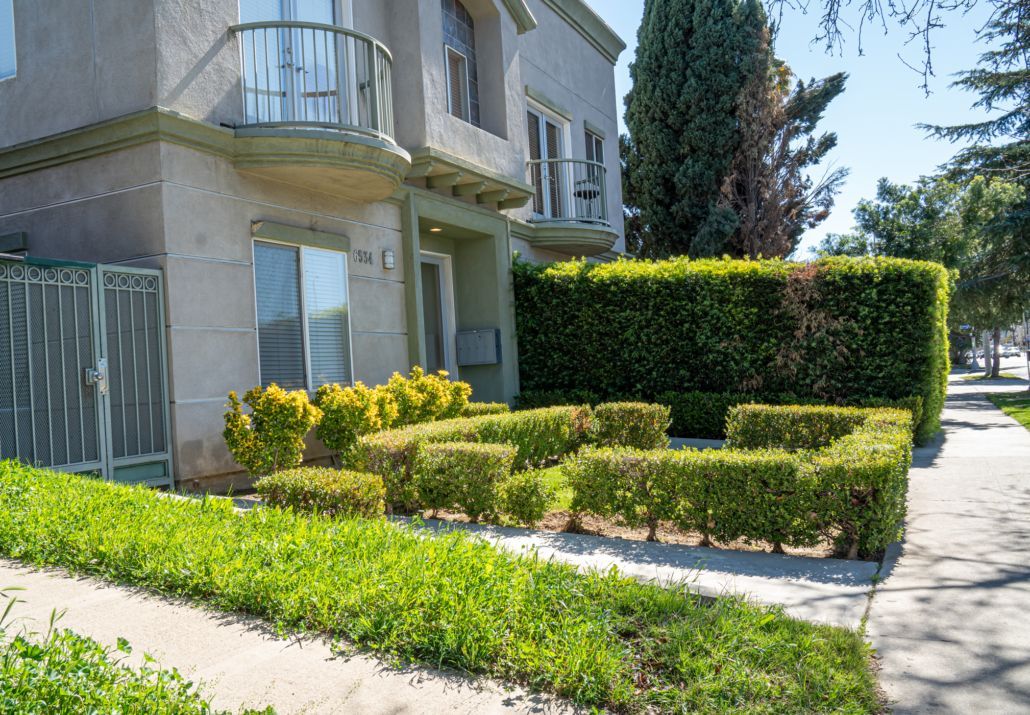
702, 415
326, 491
479, 480
834, 473
536, 435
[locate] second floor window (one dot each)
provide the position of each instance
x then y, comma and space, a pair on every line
8, 63
595, 147
459, 37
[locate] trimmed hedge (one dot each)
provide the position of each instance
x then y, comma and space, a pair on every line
478, 409
818, 479
463, 475
537, 436
326, 491
631, 424
795, 428
703, 415
839, 330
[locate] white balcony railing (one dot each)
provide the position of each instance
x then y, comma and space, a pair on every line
306, 74
570, 190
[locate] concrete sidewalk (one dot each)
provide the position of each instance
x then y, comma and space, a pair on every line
241, 663
951, 622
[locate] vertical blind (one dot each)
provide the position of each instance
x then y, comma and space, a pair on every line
533, 122
325, 301
290, 356
457, 85
8, 61
280, 331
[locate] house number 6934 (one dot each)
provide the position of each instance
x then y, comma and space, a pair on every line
365, 257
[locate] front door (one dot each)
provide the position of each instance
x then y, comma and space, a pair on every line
438, 313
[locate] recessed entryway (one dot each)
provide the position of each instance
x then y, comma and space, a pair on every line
438, 312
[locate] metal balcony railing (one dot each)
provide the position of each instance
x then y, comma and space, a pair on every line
307, 74
571, 190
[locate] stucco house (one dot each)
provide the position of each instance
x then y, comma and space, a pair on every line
200, 196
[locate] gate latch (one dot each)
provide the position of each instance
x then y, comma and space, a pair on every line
98, 376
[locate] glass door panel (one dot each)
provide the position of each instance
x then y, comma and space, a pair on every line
433, 317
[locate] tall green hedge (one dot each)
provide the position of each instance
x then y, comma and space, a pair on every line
840, 330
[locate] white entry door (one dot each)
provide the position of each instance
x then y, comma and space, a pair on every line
438, 313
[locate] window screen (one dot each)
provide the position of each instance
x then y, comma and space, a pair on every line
8, 61
325, 301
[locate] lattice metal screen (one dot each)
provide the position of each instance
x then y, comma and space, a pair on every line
136, 374
48, 415
83, 370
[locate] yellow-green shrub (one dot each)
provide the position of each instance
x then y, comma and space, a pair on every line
423, 397
350, 412
271, 437
326, 491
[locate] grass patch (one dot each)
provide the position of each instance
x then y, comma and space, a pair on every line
1001, 376
554, 478
63, 672
450, 600
1014, 404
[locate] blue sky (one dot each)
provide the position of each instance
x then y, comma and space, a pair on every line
875, 118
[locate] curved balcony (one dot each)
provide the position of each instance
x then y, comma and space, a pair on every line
318, 109
570, 206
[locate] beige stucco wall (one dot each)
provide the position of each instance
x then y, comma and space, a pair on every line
189, 212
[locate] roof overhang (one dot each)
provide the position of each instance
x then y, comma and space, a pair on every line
522, 15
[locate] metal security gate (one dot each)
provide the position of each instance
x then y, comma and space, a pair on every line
83, 370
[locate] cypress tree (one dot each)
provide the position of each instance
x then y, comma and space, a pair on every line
693, 59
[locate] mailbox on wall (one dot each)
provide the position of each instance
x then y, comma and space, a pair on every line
479, 347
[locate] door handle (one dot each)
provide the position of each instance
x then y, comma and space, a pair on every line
97, 376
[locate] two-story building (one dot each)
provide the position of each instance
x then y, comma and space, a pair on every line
198, 196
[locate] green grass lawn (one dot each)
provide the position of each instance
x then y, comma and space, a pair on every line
1014, 404
447, 600
1001, 376
554, 478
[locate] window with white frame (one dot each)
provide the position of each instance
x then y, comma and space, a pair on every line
303, 315
459, 37
595, 147
547, 144
8, 56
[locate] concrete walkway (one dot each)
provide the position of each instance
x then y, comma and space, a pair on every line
241, 663
952, 620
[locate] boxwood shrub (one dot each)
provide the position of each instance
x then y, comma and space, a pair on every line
478, 409
838, 330
326, 491
537, 436
814, 474
631, 424
462, 475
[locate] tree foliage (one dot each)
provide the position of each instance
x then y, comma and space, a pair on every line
769, 186
693, 59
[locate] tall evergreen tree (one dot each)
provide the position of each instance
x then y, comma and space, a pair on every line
769, 186
693, 59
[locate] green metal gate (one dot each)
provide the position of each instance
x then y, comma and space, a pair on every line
83, 370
